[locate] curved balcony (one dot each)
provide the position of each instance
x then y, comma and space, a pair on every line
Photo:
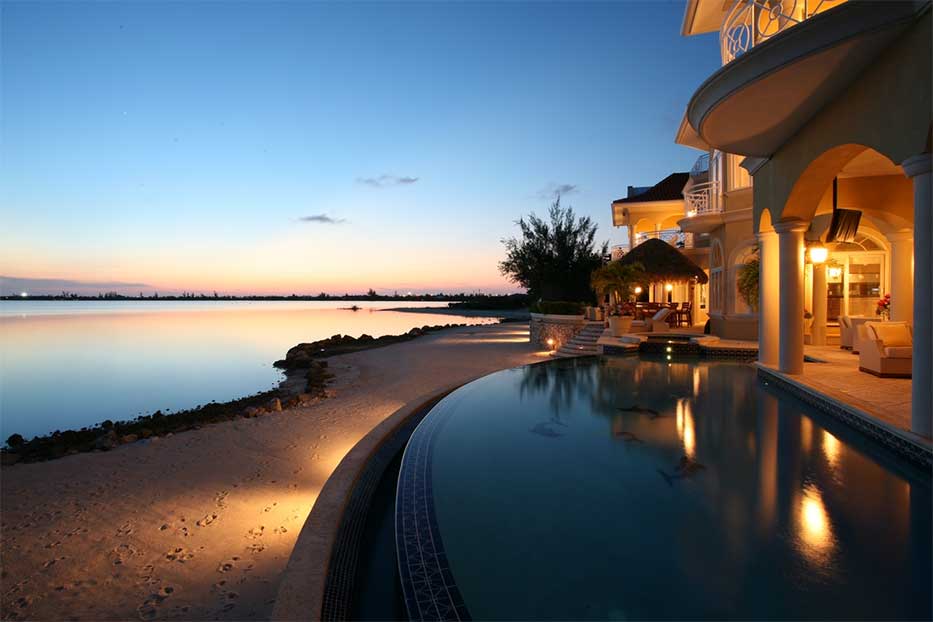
700, 167
674, 237
807, 62
703, 199
749, 22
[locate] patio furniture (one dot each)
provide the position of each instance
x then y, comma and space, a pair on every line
886, 349
658, 322
849, 331
685, 314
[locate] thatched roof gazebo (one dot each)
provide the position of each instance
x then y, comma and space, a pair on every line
663, 263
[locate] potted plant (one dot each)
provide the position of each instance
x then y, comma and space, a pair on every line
617, 282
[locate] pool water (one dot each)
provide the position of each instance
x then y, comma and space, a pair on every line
646, 488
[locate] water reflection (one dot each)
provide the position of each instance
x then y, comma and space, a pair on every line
764, 508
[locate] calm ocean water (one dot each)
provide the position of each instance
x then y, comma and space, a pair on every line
71, 364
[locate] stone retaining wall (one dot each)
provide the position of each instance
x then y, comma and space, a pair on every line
560, 328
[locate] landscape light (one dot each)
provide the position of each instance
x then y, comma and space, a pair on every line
550, 343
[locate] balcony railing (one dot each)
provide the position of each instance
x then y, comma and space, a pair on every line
701, 166
674, 237
703, 199
750, 22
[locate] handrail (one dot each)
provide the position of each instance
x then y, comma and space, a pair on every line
701, 166
749, 22
703, 199
674, 237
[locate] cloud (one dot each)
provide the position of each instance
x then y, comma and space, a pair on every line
11, 285
385, 181
552, 190
323, 219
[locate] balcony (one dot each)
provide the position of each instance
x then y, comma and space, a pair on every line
750, 22
807, 51
703, 199
674, 237
700, 167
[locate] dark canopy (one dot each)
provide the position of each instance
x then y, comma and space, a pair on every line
664, 263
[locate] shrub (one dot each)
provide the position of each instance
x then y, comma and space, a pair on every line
557, 307
747, 282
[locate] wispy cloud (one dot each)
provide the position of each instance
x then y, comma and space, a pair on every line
385, 181
323, 219
552, 190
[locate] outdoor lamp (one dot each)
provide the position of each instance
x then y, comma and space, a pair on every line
668, 288
818, 253
637, 289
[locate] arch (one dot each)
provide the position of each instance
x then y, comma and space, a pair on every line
642, 225
741, 254
717, 277
762, 221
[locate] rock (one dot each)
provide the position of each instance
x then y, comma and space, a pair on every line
129, 438
275, 405
145, 433
106, 442
365, 338
305, 398
291, 402
251, 412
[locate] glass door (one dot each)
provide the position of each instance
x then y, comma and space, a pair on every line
864, 281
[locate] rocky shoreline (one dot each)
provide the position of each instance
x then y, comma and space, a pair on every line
306, 379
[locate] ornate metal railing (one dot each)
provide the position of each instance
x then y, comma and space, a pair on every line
750, 22
701, 166
674, 237
703, 199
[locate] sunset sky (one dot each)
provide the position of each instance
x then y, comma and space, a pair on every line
306, 147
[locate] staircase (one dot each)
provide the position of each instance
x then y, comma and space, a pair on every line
584, 342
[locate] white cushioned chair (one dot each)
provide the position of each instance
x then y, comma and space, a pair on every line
886, 349
658, 322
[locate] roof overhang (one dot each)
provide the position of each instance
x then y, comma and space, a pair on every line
754, 104
701, 16
630, 213
688, 137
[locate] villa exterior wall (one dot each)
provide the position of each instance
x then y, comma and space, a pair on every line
882, 109
560, 328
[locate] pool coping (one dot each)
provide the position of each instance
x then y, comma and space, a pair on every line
896, 439
314, 584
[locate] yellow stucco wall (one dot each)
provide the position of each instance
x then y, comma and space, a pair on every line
887, 108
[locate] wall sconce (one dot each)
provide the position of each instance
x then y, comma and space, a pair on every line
818, 253
668, 288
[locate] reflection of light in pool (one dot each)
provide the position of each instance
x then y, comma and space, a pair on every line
806, 434
816, 536
831, 448
685, 427
696, 381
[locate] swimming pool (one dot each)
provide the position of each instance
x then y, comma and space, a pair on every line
644, 488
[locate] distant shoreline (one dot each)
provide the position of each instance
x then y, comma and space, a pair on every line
509, 314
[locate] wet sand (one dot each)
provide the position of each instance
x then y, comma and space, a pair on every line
200, 525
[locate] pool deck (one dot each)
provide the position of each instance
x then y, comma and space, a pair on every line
832, 381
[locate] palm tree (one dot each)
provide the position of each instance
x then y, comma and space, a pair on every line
616, 280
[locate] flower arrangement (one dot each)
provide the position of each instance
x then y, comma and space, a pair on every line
884, 307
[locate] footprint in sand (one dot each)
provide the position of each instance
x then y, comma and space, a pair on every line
256, 547
268, 508
179, 554
119, 555
125, 530
207, 520
280, 529
255, 532
227, 566
221, 499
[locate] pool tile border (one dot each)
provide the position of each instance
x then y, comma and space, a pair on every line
862, 422
428, 585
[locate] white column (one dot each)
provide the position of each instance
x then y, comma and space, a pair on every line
790, 286
768, 299
818, 333
921, 418
902, 276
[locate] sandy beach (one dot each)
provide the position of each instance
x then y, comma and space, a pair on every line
200, 525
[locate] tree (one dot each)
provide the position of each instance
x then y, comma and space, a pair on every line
554, 258
616, 280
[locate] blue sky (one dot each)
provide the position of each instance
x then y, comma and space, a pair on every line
185, 145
